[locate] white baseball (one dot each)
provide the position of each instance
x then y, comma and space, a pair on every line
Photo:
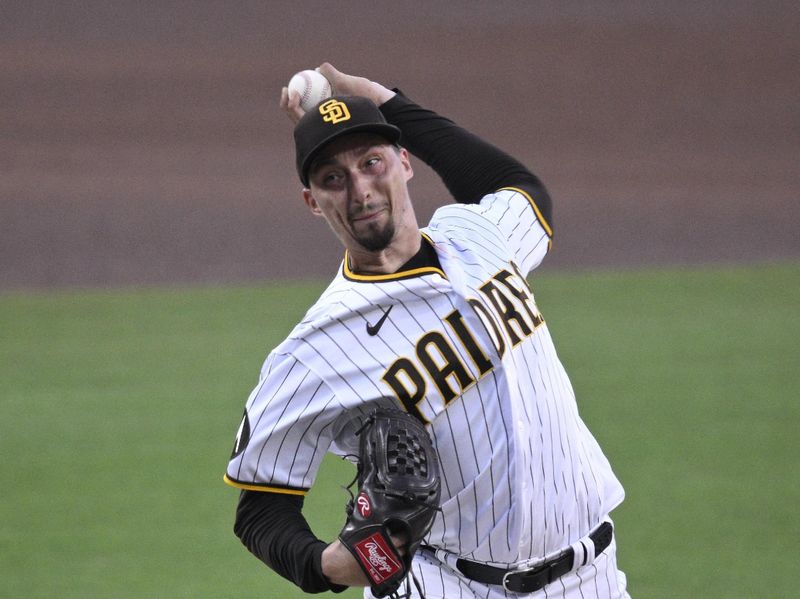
312, 87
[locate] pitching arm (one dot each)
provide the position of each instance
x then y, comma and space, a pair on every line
469, 166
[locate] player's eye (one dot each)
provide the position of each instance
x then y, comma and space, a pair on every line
330, 178
372, 162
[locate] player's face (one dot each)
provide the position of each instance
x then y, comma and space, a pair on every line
358, 184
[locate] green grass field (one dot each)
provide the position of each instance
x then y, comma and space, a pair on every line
119, 410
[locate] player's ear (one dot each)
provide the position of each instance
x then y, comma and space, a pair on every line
311, 202
405, 160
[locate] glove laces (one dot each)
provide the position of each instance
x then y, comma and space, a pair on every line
407, 592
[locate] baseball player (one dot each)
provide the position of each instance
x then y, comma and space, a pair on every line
441, 322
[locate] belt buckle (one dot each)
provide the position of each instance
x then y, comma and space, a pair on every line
536, 578
505, 580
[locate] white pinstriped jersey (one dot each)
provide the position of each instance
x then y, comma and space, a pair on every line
465, 349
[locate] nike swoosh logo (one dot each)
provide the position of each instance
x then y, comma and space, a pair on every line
372, 329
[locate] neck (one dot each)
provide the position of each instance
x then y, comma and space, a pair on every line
386, 261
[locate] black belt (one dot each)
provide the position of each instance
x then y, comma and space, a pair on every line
528, 581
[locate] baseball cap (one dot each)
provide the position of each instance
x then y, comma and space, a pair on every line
332, 118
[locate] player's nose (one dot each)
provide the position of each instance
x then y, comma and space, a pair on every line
359, 188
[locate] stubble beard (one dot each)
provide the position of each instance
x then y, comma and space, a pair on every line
377, 238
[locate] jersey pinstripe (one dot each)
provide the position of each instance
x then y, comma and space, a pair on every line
466, 350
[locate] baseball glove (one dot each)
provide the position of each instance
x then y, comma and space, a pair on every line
398, 494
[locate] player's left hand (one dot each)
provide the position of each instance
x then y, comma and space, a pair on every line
340, 567
398, 497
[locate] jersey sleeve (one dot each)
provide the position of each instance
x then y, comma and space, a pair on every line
504, 226
523, 226
287, 427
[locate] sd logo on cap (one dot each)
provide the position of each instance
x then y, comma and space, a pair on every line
334, 111
332, 118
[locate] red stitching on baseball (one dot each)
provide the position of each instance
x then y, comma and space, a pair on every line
307, 90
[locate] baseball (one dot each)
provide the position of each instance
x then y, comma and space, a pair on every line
312, 87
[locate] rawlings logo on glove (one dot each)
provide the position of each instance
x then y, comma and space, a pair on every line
364, 507
376, 558
399, 491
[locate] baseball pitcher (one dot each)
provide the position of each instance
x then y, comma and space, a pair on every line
428, 360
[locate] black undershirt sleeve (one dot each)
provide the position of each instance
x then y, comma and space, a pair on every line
469, 166
273, 528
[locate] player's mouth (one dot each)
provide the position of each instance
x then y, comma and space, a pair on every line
366, 217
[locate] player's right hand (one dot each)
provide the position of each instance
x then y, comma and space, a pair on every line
290, 104
341, 84
350, 85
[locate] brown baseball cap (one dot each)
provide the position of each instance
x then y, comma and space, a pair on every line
333, 118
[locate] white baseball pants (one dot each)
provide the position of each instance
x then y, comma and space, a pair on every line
600, 579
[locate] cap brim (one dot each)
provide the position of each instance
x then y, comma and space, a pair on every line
385, 130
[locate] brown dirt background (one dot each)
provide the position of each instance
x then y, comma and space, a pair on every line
141, 143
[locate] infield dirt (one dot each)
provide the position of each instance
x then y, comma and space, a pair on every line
146, 147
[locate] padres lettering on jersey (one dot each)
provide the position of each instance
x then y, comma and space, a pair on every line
467, 351
508, 311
